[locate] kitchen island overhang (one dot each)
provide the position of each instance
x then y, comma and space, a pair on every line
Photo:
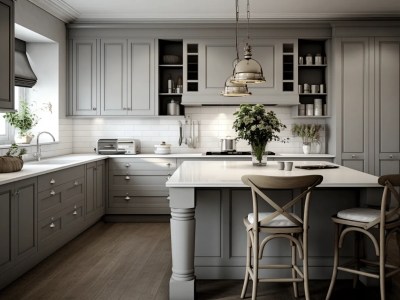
208, 202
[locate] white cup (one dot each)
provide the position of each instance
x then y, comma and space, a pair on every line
314, 88
281, 165
288, 165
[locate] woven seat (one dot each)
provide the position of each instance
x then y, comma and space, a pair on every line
385, 221
281, 223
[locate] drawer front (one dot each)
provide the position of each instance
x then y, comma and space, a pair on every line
49, 227
54, 179
139, 181
143, 164
49, 202
120, 201
72, 191
72, 215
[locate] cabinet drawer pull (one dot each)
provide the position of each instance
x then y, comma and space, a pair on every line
127, 178
390, 156
169, 198
75, 213
52, 181
16, 194
76, 182
127, 165
52, 192
94, 108
353, 156
168, 177
168, 164
127, 198
52, 225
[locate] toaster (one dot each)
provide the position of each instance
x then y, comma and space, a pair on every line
108, 146
131, 146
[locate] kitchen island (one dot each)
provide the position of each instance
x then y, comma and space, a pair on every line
208, 202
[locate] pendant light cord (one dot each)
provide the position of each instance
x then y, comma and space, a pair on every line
237, 29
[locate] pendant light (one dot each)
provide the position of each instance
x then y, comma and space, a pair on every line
235, 89
248, 70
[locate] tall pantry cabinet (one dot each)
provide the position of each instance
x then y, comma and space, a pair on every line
367, 79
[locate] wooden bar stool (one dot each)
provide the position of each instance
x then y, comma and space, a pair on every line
385, 222
280, 223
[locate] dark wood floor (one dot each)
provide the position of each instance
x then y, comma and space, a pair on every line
133, 261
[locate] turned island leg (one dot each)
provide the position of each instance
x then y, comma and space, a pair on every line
182, 282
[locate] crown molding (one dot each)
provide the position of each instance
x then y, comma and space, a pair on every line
58, 8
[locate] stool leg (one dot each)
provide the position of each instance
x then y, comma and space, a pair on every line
248, 260
305, 265
382, 260
294, 273
255, 266
357, 240
335, 261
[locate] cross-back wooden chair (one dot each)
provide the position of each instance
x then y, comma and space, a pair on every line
281, 223
365, 221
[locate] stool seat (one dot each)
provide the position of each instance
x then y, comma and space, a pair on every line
364, 215
278, 221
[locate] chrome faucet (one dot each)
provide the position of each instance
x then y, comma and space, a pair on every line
38, 153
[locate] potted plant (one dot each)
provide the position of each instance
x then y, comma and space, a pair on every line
23, 120
12, 161
309, 133
257, 127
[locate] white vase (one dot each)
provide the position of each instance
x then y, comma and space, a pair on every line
317, 148
307, 148
23, 139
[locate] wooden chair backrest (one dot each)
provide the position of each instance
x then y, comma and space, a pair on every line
258, 182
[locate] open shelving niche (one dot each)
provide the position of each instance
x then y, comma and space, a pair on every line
312, 74
167, 70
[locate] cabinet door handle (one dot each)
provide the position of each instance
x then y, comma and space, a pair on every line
168, 164
127, 198
16, 194
52, 192
52, 225
94, 108
52, 181
390, 156
168, 198
76, 182
127, 165
127, 178
168, 177
75, 213
353, 156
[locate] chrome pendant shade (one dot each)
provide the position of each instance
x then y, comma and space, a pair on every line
248, 70
232, 89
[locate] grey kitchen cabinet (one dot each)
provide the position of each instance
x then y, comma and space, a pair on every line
137, 185
18, 224
95, 188
215, 65
367, 78
7, 55
61, 195
84, 74
111, 77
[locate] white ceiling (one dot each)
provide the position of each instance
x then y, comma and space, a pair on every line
206, 10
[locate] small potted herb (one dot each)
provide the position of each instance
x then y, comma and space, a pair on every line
309, 133
23, 120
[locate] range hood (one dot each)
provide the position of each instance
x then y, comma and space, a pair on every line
24, 75
200, 99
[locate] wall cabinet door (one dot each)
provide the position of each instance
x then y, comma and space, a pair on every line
353, 88
140, 77
387, 106
7, 55
84, 77
113, 77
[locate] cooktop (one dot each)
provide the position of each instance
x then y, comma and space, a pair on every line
235, 153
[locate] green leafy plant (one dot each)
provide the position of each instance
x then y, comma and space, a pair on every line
257, 127
308, 132
24, 119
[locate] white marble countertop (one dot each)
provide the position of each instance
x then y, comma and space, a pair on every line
35, 168
228, 174
203, 155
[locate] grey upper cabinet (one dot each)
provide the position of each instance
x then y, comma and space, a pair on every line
7, 55
83, 77
111, 77
215, 64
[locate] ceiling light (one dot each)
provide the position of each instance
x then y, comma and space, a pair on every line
247, 70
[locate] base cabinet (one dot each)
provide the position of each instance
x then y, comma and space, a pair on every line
18, 226
95, 189
137, 185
